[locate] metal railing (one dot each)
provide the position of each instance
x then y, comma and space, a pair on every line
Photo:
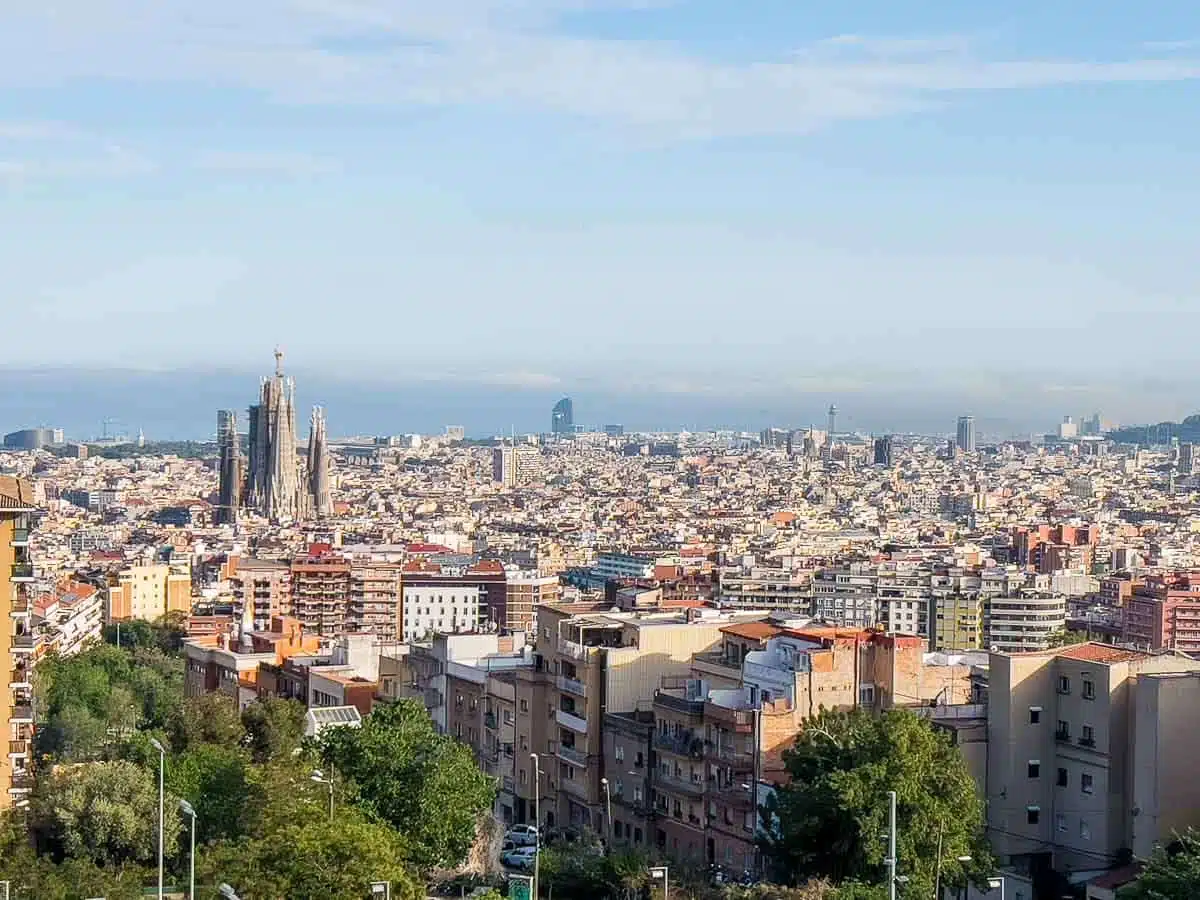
573, 756
572, 686
679, 784
22, 570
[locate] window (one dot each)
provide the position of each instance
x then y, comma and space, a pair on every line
1035, 715
1085, 830
524, 705
1064, 684
1033, 814
1034, 768
1086, 783
1062, 778
1060, 822
1064, 730
1088, 738
619, 752
1089, 689
866, 695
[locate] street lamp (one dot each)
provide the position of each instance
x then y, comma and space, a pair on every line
319, 777
663, 873
537, 821
227, 892
998, 881
162, 771
607, 810
188, 810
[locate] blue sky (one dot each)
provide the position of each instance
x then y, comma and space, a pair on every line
712, 193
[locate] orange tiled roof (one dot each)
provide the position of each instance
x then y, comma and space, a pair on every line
754, 631
1100, 653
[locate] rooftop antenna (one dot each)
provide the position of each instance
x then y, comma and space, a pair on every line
278, 362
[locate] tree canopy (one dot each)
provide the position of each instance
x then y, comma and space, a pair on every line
1172, 873
831, 819
424, 784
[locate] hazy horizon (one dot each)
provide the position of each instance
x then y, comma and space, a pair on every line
182, 403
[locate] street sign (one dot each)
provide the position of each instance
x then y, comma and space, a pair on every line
520, 887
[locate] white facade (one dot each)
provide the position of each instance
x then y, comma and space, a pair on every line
442, 609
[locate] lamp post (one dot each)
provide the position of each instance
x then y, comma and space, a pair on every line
891, 857
663, 872
162, 771
227, 892
188, 810
319, 777
998, 881
607, 811
537, 820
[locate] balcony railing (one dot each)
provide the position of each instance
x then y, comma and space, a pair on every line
20, 536
573, 756
18, 678
578, 724
572, 686
22, 571
736, 759
681, 744
679, 704
736, 794
18, 748
576, 786
508, 784
23, 643
679, 784
22, 712
22, 782
489, 721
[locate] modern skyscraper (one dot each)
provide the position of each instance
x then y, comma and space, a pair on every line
883, 451
562, 417
318, 466
966, 434
274, 478
229, 451
833, 411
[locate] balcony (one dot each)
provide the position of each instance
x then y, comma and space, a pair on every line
573, 756
1090, 743
20, 607
737, 759
22, 572
508, 785
22, 714
23, 643
679, 784
577, 787
20, 537
489, 721
18, 749
694, 708
19, 678
1063, 737
575, 723
22, 783
681, 744
736, 794
571, 686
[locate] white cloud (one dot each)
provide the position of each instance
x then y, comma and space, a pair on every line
510, 54
38, 151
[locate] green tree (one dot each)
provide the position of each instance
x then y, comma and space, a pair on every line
274, 727
216, 781
1172, 873
207, 719
1067, 637
426, 785
830, 821
105, 812
314, 860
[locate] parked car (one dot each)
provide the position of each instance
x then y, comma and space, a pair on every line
522, 835
519, 858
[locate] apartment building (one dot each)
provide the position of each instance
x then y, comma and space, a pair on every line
374, 603
149, 592
956, 622
70, 617
1025, 621
523, 592
17, 643
449, 600
1163, 612
321, 590
229, 663
904, 590
265, 584
767, 589
846, 595
1088, 754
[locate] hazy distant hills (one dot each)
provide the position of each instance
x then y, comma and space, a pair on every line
182, 403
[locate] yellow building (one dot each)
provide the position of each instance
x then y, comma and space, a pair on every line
149, 593
956, 622
17, 642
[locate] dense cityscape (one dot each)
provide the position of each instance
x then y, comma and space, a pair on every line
633, 636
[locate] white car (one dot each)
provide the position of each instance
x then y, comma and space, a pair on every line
519, 858
522, 836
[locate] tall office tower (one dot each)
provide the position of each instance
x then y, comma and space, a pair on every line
966, 434
833, 411
17, 641
229, 471
274, 482
320, 497
515, 466
1188, 459
562, 417
883, 451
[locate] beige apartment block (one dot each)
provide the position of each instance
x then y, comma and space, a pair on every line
1087, 749
149, 593
17, 641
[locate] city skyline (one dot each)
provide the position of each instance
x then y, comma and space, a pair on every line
850, 183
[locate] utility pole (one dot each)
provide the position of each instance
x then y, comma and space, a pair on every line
891, 858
